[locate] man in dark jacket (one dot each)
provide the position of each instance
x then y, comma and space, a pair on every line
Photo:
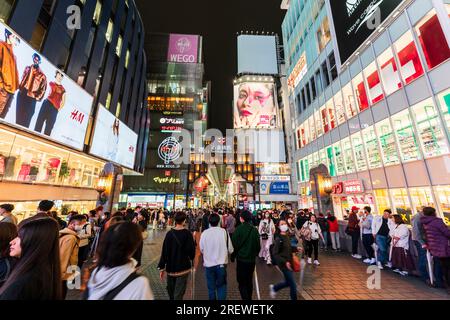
301, 219
246, 246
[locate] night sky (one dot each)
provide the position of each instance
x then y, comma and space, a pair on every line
218, 22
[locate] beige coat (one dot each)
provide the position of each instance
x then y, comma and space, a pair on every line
68, 251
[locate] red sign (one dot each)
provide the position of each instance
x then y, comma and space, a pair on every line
338, 188
353, 187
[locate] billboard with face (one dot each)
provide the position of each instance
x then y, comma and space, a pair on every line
38, 97
254, 105
113, 140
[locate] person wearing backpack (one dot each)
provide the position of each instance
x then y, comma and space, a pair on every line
312, 241
86, 236
282, 255
115, 277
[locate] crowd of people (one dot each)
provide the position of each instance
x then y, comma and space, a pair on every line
41, 255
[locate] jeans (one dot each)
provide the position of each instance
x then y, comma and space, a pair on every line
335, 241
311, 246
355, 242
325, 239
47, 115
244, 275
289, 282
381, 242
26, 106
216, 279
176, 287
368, 242
422, 263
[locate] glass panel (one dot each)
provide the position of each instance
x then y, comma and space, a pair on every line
331, 161
312, 127
444, 102
372, 149
331, 114
350, 104
374, 83
324, 119
306, 163
410, 63
430, 131
319, 126
323, 34
119, 46
360, 154
432, 39
421, 197
98, 11
443, 197
316, 160
323, 157
348, 155
360, 92
305, 135
340, 165
389, 72
339, 106
382, 199
299, 139
401, 204
409, 148
388, 143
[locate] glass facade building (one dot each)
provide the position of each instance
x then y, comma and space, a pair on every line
382, 119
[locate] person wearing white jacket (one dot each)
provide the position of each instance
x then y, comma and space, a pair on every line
115, 277
266, 231
381, 227
313, 243
402, 261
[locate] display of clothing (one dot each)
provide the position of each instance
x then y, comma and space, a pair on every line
9, 79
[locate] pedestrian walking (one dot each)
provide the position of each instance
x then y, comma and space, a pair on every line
312, 244
266, 231
8, 232
323, 223
367, 235
402, 261
6, 214
177, 254
215, 245
115, 277
246, 246
333, 228
354, 231
86, 235
230, 222
283, 256
37, 274
381, 228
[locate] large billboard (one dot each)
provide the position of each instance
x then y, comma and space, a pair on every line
355, 20
257, 54
183, 48
113, 140
38, 97
255, 105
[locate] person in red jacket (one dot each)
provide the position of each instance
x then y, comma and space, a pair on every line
334, 231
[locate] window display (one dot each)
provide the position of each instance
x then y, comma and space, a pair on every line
388, 143
360, 154
410, 64
319, 125
323, 158
348, 156
360, 92
340, 165
444, 102
304, 134
431, 135
374, 83
421, 197
443, 197
432, 39
389, 72
299, 139
349, 100
340, 110
409, 148
324, 118
331, 114
312, 128
372, 149
382, 198
401, 204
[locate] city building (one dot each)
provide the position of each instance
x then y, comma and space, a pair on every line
177, 99
73, 98
370, 99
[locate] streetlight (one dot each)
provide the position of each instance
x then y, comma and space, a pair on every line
327, 185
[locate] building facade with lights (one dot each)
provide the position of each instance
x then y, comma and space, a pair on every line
87, 91
370, 103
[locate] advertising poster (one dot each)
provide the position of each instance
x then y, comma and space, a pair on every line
113, 140
183, 48
254, 105
277, 187
257, 54
38, 97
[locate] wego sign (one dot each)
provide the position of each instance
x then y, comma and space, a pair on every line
183, 48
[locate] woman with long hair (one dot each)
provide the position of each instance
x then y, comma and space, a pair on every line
266, 231
37, 275
8, 232
401, 259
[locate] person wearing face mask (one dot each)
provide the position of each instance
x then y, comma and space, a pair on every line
85, 233
69, 244
266, 231
313, 243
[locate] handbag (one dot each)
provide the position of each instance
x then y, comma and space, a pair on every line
296, 266
305, 233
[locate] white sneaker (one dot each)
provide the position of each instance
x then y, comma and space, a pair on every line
389, 265
316, 262
272, 291
356, 256
404, 273
380, 266
269, 263
373, 261
397, 271
309, 261
367, 260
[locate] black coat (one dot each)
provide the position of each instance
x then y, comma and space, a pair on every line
29, 286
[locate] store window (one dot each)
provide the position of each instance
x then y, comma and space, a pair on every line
306, 168
349, 100
97, 12
348, 156
373, 152
299, 139
382, 199
340, 110
323, 34
374, 83
312, 128
331, 114
340, 164
421, 197
37, 38
409, 147
331, 161
432, 137
109, 31
316, 160
444, 102
119, 46
5, 10
401, 204
319, 124
389, 72
360, 92
388, 144
323, 158
432, 39
410, 64
324, 119
443, 197
360, 154
6, 162
305, 134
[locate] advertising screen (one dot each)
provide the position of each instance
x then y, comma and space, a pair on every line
356, 20
255, 105
257, 54
113, 140
183, 48
36, 96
